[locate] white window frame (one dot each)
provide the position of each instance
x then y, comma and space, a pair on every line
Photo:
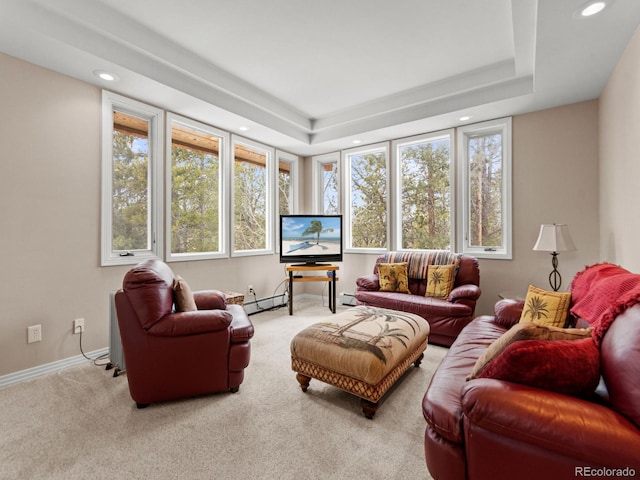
223, 198
502, 126
111, 102
317, 165
396, 177
346, 195
270, 196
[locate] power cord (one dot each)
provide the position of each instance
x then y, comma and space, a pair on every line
94, 360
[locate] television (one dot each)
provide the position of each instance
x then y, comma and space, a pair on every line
310, 239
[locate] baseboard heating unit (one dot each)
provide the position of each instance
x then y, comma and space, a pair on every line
116, 355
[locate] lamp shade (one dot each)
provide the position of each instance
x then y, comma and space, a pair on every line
554, 237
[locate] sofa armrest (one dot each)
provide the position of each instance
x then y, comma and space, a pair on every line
368, 282
467, 291
191, 323
507, 312
565, 426
210, 300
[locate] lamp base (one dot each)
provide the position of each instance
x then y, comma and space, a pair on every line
555, 279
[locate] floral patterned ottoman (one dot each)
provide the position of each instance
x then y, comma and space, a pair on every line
363, 351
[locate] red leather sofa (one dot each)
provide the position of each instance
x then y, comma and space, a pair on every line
446, 317
493, 429
171, 354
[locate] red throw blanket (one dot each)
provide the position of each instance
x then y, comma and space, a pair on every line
600, 293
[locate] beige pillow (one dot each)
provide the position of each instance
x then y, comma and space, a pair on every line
183, 296
546, 308
525, 331
393, 277
440, 281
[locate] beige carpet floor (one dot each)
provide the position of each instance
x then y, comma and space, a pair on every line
81, 423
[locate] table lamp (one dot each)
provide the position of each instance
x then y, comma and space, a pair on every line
554, 238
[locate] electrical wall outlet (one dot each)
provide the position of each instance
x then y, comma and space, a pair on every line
34, 333
78, 325
250, 289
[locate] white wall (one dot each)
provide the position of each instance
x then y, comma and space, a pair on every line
620, 161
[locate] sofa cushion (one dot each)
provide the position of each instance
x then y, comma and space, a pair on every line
546, 308
393, 277
525, 331
440, 280
183, 295
571, 367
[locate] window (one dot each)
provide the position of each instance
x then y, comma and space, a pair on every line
366, 196
131, 181
196, 207
485, 210
287, 179
326, 197
424, 186
253, 197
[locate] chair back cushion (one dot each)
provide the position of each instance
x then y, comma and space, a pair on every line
149, 288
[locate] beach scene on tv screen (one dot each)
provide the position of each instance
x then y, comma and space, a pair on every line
310, 236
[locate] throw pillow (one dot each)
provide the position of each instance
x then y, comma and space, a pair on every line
182, 295
440, 280
546, 308
525, 331
571, 367
393, 277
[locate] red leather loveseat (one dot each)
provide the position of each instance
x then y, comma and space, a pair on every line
493, 429
446, 316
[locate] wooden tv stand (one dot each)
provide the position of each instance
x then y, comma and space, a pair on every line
329, 277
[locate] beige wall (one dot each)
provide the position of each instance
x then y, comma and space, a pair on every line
555, 180
620, 161
50, 215
50, 222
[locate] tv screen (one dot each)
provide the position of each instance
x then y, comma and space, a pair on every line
310, 239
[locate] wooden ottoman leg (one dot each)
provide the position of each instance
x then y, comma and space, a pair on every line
303, 380
418, 360
368, 408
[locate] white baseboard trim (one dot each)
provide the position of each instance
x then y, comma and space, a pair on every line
39, 371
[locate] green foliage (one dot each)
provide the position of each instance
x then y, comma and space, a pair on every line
369, 200
425, 197
194, 201
130, 201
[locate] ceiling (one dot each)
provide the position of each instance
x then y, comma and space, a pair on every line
312, 77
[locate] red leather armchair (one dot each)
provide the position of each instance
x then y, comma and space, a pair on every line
171, 354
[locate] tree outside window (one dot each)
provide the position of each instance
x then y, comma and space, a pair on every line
367, 173
425, 193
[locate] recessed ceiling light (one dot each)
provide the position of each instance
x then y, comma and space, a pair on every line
243, 128
592, 8
109, 77
465, 118
356, 142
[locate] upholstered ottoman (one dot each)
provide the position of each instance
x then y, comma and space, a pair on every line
363, 351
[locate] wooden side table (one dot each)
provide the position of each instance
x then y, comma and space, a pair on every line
330, 277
